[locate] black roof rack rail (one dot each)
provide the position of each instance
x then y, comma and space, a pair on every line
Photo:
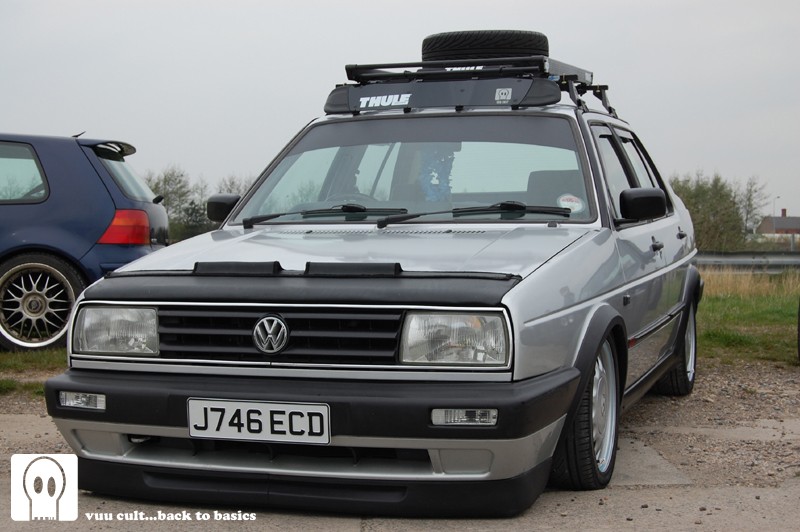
575, 89
534, 65
601, 93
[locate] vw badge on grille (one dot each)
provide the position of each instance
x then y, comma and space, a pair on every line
270, 334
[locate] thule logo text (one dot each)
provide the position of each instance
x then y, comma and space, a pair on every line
462, 69
389, 100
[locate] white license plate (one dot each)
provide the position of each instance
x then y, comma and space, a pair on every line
261, 421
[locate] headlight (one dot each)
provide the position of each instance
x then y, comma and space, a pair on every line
454, 339
115, 331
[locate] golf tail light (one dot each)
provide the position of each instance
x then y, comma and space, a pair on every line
464, 416
129, 227
90, 401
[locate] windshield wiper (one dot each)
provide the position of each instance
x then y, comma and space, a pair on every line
346, 208
516, 208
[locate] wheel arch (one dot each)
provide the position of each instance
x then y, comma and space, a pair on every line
69, 259
694, 286
570, 468
38, 290
605, 322
692, 294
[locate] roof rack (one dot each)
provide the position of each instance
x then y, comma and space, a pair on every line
533, 65
484, 75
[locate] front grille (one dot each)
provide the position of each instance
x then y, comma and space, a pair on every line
316, 335
283, 451
268, 459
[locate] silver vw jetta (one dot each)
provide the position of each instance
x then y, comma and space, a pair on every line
437, 299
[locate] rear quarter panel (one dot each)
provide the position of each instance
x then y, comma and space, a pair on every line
75, 213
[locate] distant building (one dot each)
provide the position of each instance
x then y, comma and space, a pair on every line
779, 225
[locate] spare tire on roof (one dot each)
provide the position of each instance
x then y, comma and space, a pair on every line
484, 44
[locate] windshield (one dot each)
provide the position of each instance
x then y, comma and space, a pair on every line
427, 165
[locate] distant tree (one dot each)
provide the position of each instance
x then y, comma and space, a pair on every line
716, 212
174, 185
233, 184
193, 214
751, 197
194, 220
185, 202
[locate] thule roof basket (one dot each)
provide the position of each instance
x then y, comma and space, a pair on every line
511, 81
534, 65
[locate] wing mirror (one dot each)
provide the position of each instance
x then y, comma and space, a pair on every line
219, 206
638, 204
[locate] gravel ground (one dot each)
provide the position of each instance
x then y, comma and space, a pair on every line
731, 431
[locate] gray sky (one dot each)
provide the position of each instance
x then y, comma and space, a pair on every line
218, 87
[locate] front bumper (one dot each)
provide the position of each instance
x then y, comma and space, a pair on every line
385, 456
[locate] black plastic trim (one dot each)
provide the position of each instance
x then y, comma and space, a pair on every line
357, 408
598, 178
219, 286
242, 491
602, 325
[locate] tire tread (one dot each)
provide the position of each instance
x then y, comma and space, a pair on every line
483, 44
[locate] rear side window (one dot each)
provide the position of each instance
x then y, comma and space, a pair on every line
124, 176
616, 179
21, 176
643, 175
625, 164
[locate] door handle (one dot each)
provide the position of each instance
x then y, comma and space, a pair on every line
681, 234
656, 246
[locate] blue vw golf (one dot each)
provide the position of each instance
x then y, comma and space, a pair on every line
71, 210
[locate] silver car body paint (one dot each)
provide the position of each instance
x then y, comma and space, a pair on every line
569, 273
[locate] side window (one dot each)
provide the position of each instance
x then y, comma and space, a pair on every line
646, 173
614, 171
643, 175
21, 176
651, 169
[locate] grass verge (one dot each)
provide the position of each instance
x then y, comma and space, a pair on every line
749, 316
27, 371
25, 362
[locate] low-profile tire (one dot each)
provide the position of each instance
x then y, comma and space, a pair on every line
37, 293
680, 379
483, 44
585, 456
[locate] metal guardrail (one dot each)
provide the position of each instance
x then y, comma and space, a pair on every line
775, 262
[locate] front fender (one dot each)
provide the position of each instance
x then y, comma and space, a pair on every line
603, 321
